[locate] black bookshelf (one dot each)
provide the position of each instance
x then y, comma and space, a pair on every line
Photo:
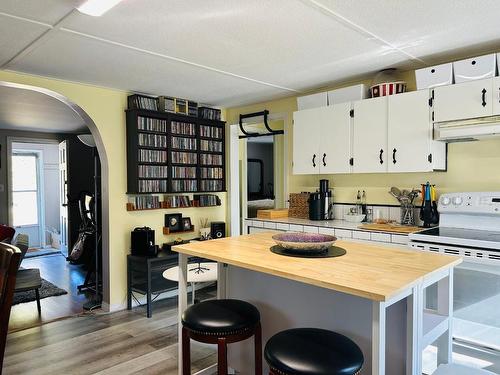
199, 166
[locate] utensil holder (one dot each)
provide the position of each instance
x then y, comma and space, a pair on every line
407, 214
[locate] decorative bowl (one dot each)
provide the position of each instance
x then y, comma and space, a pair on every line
304, 241
354, 218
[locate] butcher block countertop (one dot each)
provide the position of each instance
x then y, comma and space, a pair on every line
369, 271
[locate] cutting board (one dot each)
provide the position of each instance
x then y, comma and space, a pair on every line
390, 228
275, 213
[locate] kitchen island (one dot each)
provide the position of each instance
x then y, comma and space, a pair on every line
351, 294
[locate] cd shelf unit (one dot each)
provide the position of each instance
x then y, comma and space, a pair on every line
174, 153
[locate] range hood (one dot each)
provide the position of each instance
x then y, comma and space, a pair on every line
467, 130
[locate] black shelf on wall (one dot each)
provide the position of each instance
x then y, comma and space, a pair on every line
150, 168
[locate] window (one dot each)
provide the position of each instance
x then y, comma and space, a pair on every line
24, 189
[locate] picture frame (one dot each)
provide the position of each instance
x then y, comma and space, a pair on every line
173, 222
186, 224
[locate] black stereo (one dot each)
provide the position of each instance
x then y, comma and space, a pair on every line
217, 229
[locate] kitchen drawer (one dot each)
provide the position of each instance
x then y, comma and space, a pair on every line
433, 76
269, 225
360, 235
258, 224
480, 67
400, 239
381, 237
282, 226
343, 233
310, 229
296, 228
329, 231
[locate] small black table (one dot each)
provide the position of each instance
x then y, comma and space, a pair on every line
144, 276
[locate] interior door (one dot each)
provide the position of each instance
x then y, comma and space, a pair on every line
370, 135
335, 140
63, 194
463, 101
409, 132
307, 126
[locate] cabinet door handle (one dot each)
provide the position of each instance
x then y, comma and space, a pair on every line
394, 156
380, 156
484, 97
324, 162
314, 160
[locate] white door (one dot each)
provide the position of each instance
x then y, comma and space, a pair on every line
63, 196
496, 96
410, 132
335, 140
370, 135
463, 101
307, 126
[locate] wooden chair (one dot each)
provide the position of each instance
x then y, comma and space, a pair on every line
9, 262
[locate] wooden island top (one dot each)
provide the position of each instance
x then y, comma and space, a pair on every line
375, 272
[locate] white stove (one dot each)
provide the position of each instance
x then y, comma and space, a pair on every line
470, 227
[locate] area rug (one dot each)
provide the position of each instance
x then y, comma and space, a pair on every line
32, 253
47, 290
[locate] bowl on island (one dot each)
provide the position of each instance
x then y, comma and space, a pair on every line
304, 241
354, 218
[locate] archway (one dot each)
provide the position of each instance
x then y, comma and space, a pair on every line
90, 124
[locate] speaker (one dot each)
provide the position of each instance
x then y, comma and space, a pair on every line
217, 229
143, 242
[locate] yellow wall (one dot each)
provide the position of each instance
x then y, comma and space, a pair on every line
473, 166
106, 108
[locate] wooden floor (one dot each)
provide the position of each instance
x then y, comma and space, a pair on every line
58, 271
122, 343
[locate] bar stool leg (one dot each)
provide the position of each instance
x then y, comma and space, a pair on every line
258, 349
186, 352
222, 354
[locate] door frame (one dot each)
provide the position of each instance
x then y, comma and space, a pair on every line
238, 206
40, 179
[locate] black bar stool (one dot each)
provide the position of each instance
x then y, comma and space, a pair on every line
221, 322
312, 351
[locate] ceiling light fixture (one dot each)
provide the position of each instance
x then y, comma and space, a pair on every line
97, 8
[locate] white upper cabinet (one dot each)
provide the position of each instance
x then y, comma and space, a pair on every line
463, 101
307, 125
409, 132
370, 135
335, 140
496, 96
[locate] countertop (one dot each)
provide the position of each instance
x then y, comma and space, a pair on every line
375, 272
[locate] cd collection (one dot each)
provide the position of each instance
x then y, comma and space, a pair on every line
184, 143
145, 202
152, 186
184, 185
211, 131
209, 113
212, 173
183, 128
184, 157
184, 172
143, 102
210, 145
208, 159
153, 140
207, 200
152, 156
173, 201
211, 185
153, 171
151, 124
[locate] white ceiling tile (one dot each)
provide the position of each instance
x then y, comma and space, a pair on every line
16, 35
47, 11
282, 42
424, 27
72, 57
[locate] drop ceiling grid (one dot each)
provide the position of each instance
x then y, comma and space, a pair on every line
112, 66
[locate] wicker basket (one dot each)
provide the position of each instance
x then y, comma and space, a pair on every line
299, 205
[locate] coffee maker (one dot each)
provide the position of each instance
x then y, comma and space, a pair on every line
321, 203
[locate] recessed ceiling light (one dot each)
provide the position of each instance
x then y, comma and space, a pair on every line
97, 8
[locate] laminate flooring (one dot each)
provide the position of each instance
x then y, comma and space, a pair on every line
121, 343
